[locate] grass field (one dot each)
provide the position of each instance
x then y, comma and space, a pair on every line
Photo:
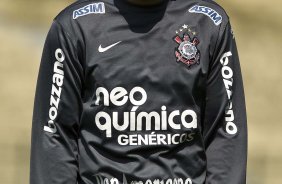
257, 25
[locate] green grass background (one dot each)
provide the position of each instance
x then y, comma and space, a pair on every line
258, 28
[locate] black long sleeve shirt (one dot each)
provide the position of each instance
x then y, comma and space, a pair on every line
147, 95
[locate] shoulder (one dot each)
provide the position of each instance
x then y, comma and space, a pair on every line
67, 23
211, 9
68, 18
78, 8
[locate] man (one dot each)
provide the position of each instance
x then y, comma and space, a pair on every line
139, 91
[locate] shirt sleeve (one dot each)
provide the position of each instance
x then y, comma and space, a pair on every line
225, 123
57, 110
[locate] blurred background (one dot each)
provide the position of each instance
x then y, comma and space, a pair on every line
258, 28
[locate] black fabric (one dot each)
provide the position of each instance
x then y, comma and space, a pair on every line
139, 95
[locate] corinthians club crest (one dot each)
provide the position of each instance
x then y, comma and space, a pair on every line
187, 51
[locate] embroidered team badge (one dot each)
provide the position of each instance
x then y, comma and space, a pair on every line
187, 51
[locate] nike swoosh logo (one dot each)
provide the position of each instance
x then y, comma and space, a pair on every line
103, 49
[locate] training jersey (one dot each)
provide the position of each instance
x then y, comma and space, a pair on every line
130, 94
